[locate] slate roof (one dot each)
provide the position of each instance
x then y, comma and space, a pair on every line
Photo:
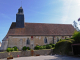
41, 29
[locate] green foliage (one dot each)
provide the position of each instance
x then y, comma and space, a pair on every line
60, 39
44, 46
68, 39
37, 47
41, 47
53, 45
63, 46
24, 48
48, 46
27, 48
8, 49
12, 49
15, 48
76, 37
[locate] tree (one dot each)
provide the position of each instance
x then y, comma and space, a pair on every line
75, 25
76, 37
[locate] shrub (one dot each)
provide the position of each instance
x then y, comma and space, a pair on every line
68, 39
63, 46
27, 48
53, 45
76, 37
12, 49
60, 39
24, 48
48, 46
41, 47
44, 46
15, 48
71, 38
37, 47
8, 49
60, 43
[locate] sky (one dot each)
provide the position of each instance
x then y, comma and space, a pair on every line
38, 11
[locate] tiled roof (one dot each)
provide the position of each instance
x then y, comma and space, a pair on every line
41, 29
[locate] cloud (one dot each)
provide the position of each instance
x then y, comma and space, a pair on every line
66, 8
71, 11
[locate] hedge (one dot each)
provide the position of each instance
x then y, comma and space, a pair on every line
63, 46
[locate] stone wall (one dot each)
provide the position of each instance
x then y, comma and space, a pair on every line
4, 45
21, 41
26, 53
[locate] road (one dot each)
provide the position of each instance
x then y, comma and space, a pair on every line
47, 57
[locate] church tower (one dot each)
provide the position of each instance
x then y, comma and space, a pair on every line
20, 18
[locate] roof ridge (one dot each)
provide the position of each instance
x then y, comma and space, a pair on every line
47, 23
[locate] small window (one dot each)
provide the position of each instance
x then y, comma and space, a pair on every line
28, 41
19, 11
57, 39
45, 40
69, 36
65, 37
62, 36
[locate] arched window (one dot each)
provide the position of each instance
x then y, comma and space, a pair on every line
45, 40
28, 41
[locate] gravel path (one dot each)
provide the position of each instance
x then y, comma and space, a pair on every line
47, 57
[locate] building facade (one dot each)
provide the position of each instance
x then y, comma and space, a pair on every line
23, 34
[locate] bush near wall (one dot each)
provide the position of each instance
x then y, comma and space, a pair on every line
44, 46
48, 46
15, 48
8, 49
63, 46
37, 47
76, 37
12, 49
53, 45
25, 48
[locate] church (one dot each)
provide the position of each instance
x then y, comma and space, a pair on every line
31, 34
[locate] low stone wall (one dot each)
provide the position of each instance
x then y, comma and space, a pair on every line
25, 53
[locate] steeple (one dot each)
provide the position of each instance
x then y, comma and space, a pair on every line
20, 18
20, 10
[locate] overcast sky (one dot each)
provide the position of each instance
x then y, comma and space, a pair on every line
38, 11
